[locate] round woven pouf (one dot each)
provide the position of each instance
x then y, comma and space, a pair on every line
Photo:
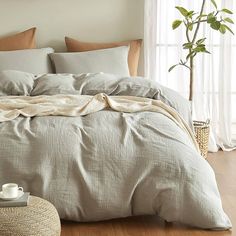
39, 218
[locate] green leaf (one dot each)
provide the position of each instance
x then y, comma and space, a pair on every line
227, 28
201, 45
227, 11
172, 67
207, 52
191, 54
200, 41
182, 10
176, 24
227, 19
190, 27
214, 3
199, 49
187, 45
222, 29
215, 25
190, 14
211, 18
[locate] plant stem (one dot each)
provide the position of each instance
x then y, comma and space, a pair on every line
187, 33
185, 66
199, 21
191, 79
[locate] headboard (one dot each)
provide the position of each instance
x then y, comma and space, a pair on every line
88, 20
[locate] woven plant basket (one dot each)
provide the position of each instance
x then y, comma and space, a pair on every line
202, 131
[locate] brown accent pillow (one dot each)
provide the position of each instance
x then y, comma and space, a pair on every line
134, 51
23, 40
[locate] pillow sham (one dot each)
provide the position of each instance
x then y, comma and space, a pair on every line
112, 60
133, 56
94, 83
52, 84
16, 83
35, 61
113, 85
23, 40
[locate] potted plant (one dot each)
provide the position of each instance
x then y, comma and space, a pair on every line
218, 20
194, 45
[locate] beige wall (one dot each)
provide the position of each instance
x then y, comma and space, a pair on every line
89, 20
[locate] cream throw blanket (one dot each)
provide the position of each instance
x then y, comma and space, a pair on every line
79, 105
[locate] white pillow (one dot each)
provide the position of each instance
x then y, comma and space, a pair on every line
111, 60
35, 61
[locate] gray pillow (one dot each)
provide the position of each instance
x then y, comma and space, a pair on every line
16, 83
35, 61
51, 84
111, 60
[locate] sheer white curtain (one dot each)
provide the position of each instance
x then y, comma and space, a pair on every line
150, 32
215, 73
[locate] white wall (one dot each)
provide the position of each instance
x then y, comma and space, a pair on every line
88, 20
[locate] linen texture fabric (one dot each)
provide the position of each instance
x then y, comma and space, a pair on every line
16, 83
118, 161
35, 61
23, 40
74, 45
112, 60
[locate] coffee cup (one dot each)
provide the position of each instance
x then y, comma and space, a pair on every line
10, 190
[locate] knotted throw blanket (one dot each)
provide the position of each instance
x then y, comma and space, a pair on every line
80, 105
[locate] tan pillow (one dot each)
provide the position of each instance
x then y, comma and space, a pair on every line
23, 40
134, 51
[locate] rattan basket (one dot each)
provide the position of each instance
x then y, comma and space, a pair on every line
202, 131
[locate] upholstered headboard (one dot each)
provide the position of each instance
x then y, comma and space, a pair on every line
88, 20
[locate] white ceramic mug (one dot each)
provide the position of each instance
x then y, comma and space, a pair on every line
10, 190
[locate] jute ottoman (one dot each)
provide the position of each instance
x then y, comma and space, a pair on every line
39, 218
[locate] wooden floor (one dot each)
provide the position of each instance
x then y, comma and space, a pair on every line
224, 164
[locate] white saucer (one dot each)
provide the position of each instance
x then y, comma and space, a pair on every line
20, 194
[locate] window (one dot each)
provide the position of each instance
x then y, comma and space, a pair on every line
211, 71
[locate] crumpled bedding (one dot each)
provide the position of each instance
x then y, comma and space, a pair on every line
108, 164
12, 107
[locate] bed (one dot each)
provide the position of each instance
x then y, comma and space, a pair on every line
102, 146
